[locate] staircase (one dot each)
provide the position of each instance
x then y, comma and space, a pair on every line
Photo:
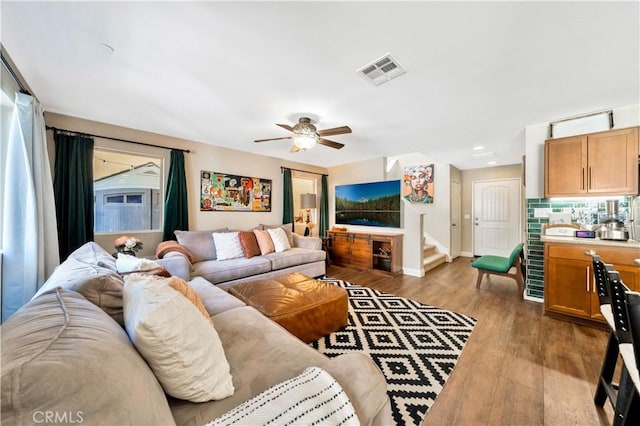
432, 259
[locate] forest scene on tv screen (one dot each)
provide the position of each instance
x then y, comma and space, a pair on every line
369, 204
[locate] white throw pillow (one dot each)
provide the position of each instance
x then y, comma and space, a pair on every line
126, 263
179, 344
227, 245
280, 240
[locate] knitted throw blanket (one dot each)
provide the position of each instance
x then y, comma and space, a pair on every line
313, 397
169, 246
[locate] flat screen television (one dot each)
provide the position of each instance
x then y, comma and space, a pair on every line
369, 204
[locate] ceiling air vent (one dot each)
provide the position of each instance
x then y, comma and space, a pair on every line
382, 70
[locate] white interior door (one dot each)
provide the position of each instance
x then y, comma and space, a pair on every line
496, 214
456, 212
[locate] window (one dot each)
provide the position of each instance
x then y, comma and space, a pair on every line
123, 199
127, 191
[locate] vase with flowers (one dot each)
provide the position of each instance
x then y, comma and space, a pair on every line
128, 245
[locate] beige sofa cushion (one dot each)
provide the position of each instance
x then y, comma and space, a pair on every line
293, 257
227, 270
199, 243
101, 286
62, 354
181, 346
260, 353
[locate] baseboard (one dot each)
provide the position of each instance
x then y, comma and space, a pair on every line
533, 299
413, 272
466, 254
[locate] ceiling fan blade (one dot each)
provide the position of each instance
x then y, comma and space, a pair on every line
294, 148
285, 126
335, 131
273, 139
332, 144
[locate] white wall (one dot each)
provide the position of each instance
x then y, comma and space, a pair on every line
536, 134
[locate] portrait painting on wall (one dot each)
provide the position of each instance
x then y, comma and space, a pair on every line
223, 192
418, 184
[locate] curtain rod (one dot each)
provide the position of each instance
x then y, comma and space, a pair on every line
115, 139
282, 168
12, 73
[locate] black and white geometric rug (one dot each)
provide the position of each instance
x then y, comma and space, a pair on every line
416, 346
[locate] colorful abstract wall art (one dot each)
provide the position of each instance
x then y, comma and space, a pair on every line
223, 192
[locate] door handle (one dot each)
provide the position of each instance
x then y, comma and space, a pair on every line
589, 180
582, 186
588, 279
453, 224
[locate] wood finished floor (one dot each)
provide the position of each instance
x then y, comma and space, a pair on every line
519, 367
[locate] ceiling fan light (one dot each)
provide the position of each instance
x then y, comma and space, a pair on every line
305, 141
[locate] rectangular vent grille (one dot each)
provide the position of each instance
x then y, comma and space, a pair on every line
382, 70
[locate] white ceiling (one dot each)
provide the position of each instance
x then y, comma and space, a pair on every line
224, 73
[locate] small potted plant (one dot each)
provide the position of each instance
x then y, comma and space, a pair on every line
128, 245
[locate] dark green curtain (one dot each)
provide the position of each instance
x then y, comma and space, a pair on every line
73, 191
287, 202
324, 207
176, 208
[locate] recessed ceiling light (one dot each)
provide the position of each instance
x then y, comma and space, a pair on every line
488, 154
491, 163
478, 148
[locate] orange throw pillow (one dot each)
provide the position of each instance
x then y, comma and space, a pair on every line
187, 291
249, 244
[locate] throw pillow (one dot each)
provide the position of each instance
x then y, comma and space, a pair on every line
127, 263
280, 240
227, 245
187, 291
264, 242
287, 227
249, 244
180, 346
101, 286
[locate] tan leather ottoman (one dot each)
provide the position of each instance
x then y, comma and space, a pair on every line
307, 308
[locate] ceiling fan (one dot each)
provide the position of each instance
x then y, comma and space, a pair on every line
305, 135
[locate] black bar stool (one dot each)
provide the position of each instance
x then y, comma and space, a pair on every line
630, 405
625, 406
606, 386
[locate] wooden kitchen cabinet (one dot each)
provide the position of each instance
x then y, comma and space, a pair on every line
376, 252
570, 289
604, 163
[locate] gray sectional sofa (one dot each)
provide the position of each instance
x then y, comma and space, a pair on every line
305, 256
67, 358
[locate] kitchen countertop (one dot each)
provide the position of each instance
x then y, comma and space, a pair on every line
590, 241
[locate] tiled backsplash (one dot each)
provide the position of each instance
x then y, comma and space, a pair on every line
582, 210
